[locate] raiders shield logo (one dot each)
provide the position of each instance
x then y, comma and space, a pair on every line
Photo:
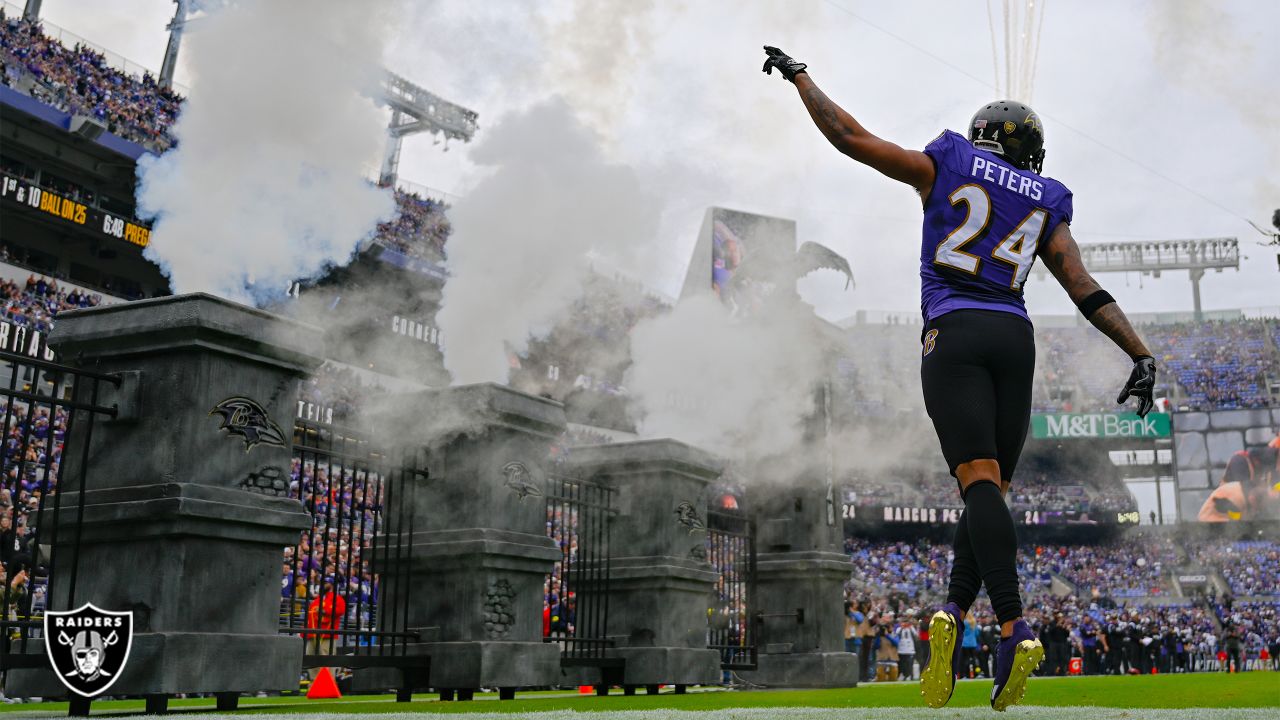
88, 647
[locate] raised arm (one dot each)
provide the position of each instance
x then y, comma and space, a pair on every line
847, 134
1062, 256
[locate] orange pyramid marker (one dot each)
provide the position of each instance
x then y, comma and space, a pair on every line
323, 687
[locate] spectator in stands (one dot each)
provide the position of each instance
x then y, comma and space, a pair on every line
867, 631
1250, 567
420, 229
906, 635
852, 619
886, 648
1233, 646
78, 80
969, 647
1117, 639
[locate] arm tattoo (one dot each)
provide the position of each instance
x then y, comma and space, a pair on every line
849, 137
1111, 320
824, 112
1067, 266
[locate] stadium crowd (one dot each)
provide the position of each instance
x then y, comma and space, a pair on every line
1133, 568
78, 80
34, 432
1250, 567
1209, 365
1032, 492
35, 303
1212, 364
1220, 365
326, 580
419, 230
887, 622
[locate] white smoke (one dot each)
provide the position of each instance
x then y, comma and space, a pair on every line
521, 236
622, 166
739, 388
1222, 55
266, 184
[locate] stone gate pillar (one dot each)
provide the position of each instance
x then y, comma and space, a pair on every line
660, 580
186, 507
801, 569
480, 549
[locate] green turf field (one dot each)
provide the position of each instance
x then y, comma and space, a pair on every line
1102, 698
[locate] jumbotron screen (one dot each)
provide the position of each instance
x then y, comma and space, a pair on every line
1228, 465
743, 258
1248, 490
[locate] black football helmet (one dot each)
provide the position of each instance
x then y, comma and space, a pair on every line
1011, 130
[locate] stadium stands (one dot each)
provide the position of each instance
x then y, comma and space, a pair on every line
1130, 568
420, 230
1219, 365
1251, 568
1032, 491
1259, 624
1122, 619
1212, 365
79, 80
1136, 639
33, 433
36, 303
347, 510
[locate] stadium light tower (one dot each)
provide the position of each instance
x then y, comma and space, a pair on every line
415, 110
175, 28
1153, 257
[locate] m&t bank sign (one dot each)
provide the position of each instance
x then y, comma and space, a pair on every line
1099, 425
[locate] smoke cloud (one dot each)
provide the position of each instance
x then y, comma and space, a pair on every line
1205, 48
619, 168
518, 254
737, 388
266, 184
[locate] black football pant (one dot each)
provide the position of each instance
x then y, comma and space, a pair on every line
976, 370
1091, 665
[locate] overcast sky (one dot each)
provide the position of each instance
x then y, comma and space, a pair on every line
1162, 117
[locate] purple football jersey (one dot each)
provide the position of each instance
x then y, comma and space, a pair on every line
983, 221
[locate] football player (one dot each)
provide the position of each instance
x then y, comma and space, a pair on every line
988, 214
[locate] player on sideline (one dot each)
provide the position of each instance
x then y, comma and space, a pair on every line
988, 213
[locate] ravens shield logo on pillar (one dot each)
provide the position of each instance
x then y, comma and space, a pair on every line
246, 418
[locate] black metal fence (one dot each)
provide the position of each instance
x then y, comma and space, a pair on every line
731, 550
344, 586
47, 408
579, 516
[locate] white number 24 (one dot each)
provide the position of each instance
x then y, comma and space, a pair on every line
1018, 248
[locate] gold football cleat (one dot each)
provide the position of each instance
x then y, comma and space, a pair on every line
938, 680
1026, 659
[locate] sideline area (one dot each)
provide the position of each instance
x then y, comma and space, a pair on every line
1250, 696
